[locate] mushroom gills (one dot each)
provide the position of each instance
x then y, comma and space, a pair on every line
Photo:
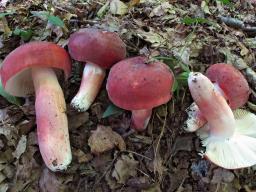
236, 152
21, 84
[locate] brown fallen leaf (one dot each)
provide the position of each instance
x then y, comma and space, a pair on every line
133, 3
154, 188
5, 28
125, 167
26, 126
77, 120
81, 156
104, 139
21, 147
27, 171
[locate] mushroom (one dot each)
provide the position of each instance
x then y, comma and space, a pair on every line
230, 83
28, 69
229, 138
100, 50
138, 85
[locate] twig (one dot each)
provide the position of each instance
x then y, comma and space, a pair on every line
236, 23
138, 154
162, 132
145, 174
232, 22
106, 171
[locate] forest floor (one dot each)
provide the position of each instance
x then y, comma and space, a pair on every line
186, 35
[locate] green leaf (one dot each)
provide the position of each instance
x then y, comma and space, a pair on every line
55, 20
41, 14
180, 81
175, 86
8, 97
172, 62
24, 34
44, 15
192, 21
112, 110
225, 2
183, 78
103, 10
6, 13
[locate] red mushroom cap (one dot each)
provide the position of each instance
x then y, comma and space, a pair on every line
15, 73
99, 47
232, 83
134, 84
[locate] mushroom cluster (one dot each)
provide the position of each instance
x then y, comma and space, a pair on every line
136, 84
229, 136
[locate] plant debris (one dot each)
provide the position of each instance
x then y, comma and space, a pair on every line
125, 167
104, 139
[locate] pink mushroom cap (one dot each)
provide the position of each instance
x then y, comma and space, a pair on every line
134, 84
99, 47
15, 70
232, 82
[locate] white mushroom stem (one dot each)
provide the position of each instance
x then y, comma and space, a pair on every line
51, 119
92, 79
140, 119
212, 105
195, 118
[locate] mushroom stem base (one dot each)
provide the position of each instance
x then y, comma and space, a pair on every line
140, 119
51, 119
92, 79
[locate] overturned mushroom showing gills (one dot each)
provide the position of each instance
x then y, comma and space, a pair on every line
230, 83
136, 85
100, 50
28, 69
229, 139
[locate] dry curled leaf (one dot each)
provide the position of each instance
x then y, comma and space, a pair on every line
104, 139
162, 9
117, 7
133, 3
4, 187
5, 28
81, 156
21, 147
125, 167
